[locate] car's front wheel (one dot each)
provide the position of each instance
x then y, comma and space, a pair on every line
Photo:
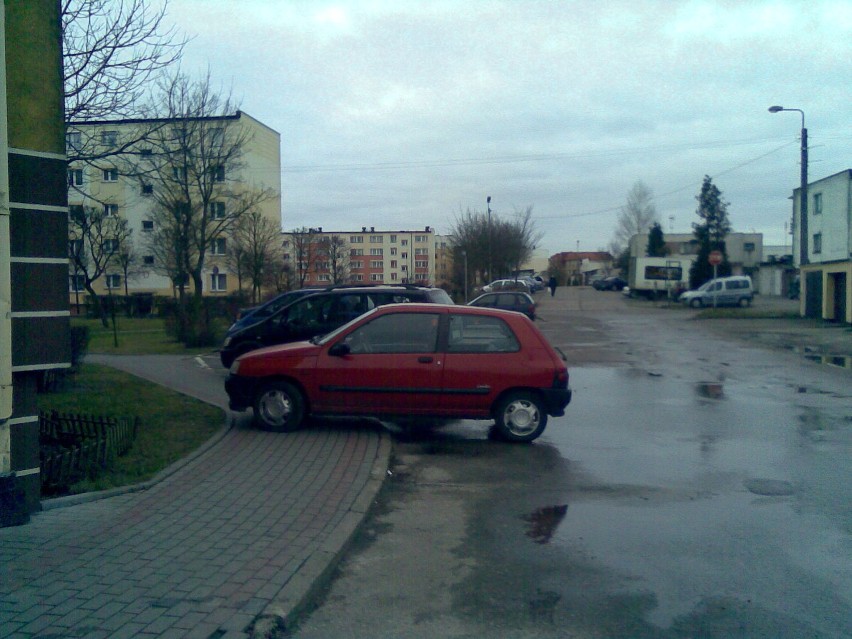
520, 417
696, 303
279, 406
745, 302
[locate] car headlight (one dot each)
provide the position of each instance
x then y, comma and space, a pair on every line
227, 342
235, 368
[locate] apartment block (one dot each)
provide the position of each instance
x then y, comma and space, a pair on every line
116, 182
367, 256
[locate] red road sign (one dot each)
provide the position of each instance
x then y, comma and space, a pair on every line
715, 257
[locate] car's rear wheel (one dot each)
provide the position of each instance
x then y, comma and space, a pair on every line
520, 417
279, 406
745, 302
696, 303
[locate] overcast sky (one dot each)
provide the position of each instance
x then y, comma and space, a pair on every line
402, 114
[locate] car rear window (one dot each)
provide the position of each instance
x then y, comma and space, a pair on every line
480, 334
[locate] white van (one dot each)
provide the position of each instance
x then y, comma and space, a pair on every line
724, 291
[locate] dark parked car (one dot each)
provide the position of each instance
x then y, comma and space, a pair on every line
410, 360
510, 301
317, 314
251, 315
609, 284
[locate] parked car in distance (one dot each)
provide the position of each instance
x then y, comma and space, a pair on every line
535, 285
723, 291
250, 315
506, 285
318, 313
609, 284
517, 301
410, 360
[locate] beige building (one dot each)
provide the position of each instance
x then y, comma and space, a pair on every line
745, 250
115, 185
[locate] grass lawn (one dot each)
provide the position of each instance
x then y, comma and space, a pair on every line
172, 425
137, 336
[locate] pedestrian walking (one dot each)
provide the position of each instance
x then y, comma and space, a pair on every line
551, 283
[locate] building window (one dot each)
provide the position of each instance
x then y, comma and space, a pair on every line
217, 210
393, 239
421, 264
76, 283
376, 264
146, 153
218, 282
324, 277
817, 242
748, 246
148, 260
218, 246
393, 264
147, 226
74, 247
405, 242
376, 239
357, 264
74, 139
147, 189
110, 246
421, 251
356, 239
219, 173
393, 250
75, 177
817, 203
179, 173
109, 139
357, 277
323, 266
376, 251
110, 175
421, 238
394, 277
110, 210
113, 280
355, 252
375, 277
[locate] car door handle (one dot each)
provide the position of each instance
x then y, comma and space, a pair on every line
425, 359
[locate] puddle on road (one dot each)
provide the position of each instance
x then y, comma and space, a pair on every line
710, 390
769, 487
544, 522
839, 361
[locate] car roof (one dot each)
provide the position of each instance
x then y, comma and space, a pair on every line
417, 307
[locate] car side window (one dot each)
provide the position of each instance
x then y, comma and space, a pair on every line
480, 334
396, 333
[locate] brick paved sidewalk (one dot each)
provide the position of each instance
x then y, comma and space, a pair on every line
233, 542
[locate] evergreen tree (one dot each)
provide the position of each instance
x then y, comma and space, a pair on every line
656, 242
710, 233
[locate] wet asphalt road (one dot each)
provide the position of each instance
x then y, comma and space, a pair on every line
696, 487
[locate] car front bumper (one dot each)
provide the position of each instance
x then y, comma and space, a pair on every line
240, 392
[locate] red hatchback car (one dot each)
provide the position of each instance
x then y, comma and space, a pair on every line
411, 360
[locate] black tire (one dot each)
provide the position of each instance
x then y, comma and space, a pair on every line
520, 416
745, 302
280, 407
696, 303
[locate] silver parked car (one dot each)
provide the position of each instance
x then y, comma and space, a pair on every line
724, 291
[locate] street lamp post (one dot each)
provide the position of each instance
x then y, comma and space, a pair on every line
464, 253
803, 189
488, 206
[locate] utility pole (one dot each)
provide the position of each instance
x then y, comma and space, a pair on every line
488, 207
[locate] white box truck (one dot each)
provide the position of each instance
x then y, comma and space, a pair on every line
658, 277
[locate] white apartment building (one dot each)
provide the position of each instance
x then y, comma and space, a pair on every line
103, 184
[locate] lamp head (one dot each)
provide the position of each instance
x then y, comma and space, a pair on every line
775, 109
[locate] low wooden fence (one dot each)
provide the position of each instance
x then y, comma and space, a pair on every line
76, 446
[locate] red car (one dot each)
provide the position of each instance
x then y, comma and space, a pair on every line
411, 360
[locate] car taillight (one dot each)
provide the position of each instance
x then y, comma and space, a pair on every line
560, 378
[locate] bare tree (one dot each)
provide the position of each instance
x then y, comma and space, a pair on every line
336, 250
304, 252
127, 260
112, 50
98, 239
257, 241
636, 217
196, 162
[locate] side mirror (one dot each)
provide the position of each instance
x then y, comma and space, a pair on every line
339, 350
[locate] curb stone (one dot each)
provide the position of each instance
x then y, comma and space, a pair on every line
279, 617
